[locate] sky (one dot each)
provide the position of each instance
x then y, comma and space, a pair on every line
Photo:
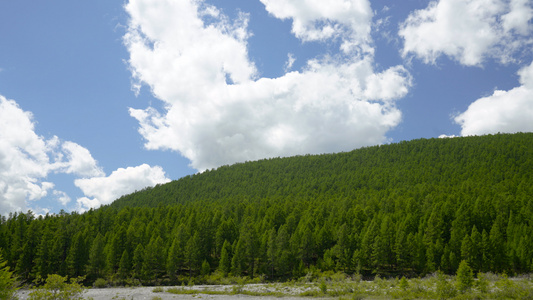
102, 98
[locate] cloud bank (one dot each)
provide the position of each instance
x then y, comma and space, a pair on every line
217, 110
504, 111
468, 31
26, 160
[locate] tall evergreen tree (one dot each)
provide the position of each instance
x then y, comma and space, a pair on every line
96, 256
225, 258
124, 268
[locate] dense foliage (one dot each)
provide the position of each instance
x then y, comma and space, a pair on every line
402, 209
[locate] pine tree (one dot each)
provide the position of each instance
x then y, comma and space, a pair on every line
42, 262
175, 258
96, 257
154, 262
465, 277
225, 258
124, 268
76, 260
206, 268
7, 282
138, 261
271, 251
238, 261
193, 257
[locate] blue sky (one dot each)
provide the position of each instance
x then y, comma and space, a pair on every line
102, 98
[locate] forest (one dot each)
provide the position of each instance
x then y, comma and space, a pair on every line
404, 209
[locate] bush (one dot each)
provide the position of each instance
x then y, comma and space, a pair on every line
100, 283
323, 287
56, 287
445, 290
404, 284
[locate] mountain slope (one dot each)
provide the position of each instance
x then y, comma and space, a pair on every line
402, 209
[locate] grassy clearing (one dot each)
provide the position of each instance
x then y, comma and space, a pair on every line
341, 286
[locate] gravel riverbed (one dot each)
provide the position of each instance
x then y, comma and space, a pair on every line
138, 293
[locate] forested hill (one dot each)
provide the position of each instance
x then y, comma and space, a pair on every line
403, 209
421, 169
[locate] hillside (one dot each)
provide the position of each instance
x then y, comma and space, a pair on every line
409, 208
419, 168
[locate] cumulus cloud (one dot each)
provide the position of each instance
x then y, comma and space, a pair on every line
104, 190
468, 31
62, 197
80, 161
26, 159
504, 111
217, 111
318, 20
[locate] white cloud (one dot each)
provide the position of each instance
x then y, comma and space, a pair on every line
318, 20
62, 197
122, 181
80, 161
336, 103
26, 160
290, 62
504, 111
468, 31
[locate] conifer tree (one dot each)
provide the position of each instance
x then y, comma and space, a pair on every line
42, 261
76, 260
124, 268
96, 256
138, 261
238, 261
225, 258
175, 258
154, 262
465, 277
7, 282
193, 251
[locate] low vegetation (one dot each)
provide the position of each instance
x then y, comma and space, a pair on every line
342, 286
57, 287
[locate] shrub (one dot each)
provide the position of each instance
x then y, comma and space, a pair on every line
445, 290
56, 287
404, 285
100, 283
323, 287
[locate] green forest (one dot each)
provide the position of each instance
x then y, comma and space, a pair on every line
404, 209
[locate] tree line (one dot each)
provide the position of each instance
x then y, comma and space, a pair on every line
402, 209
